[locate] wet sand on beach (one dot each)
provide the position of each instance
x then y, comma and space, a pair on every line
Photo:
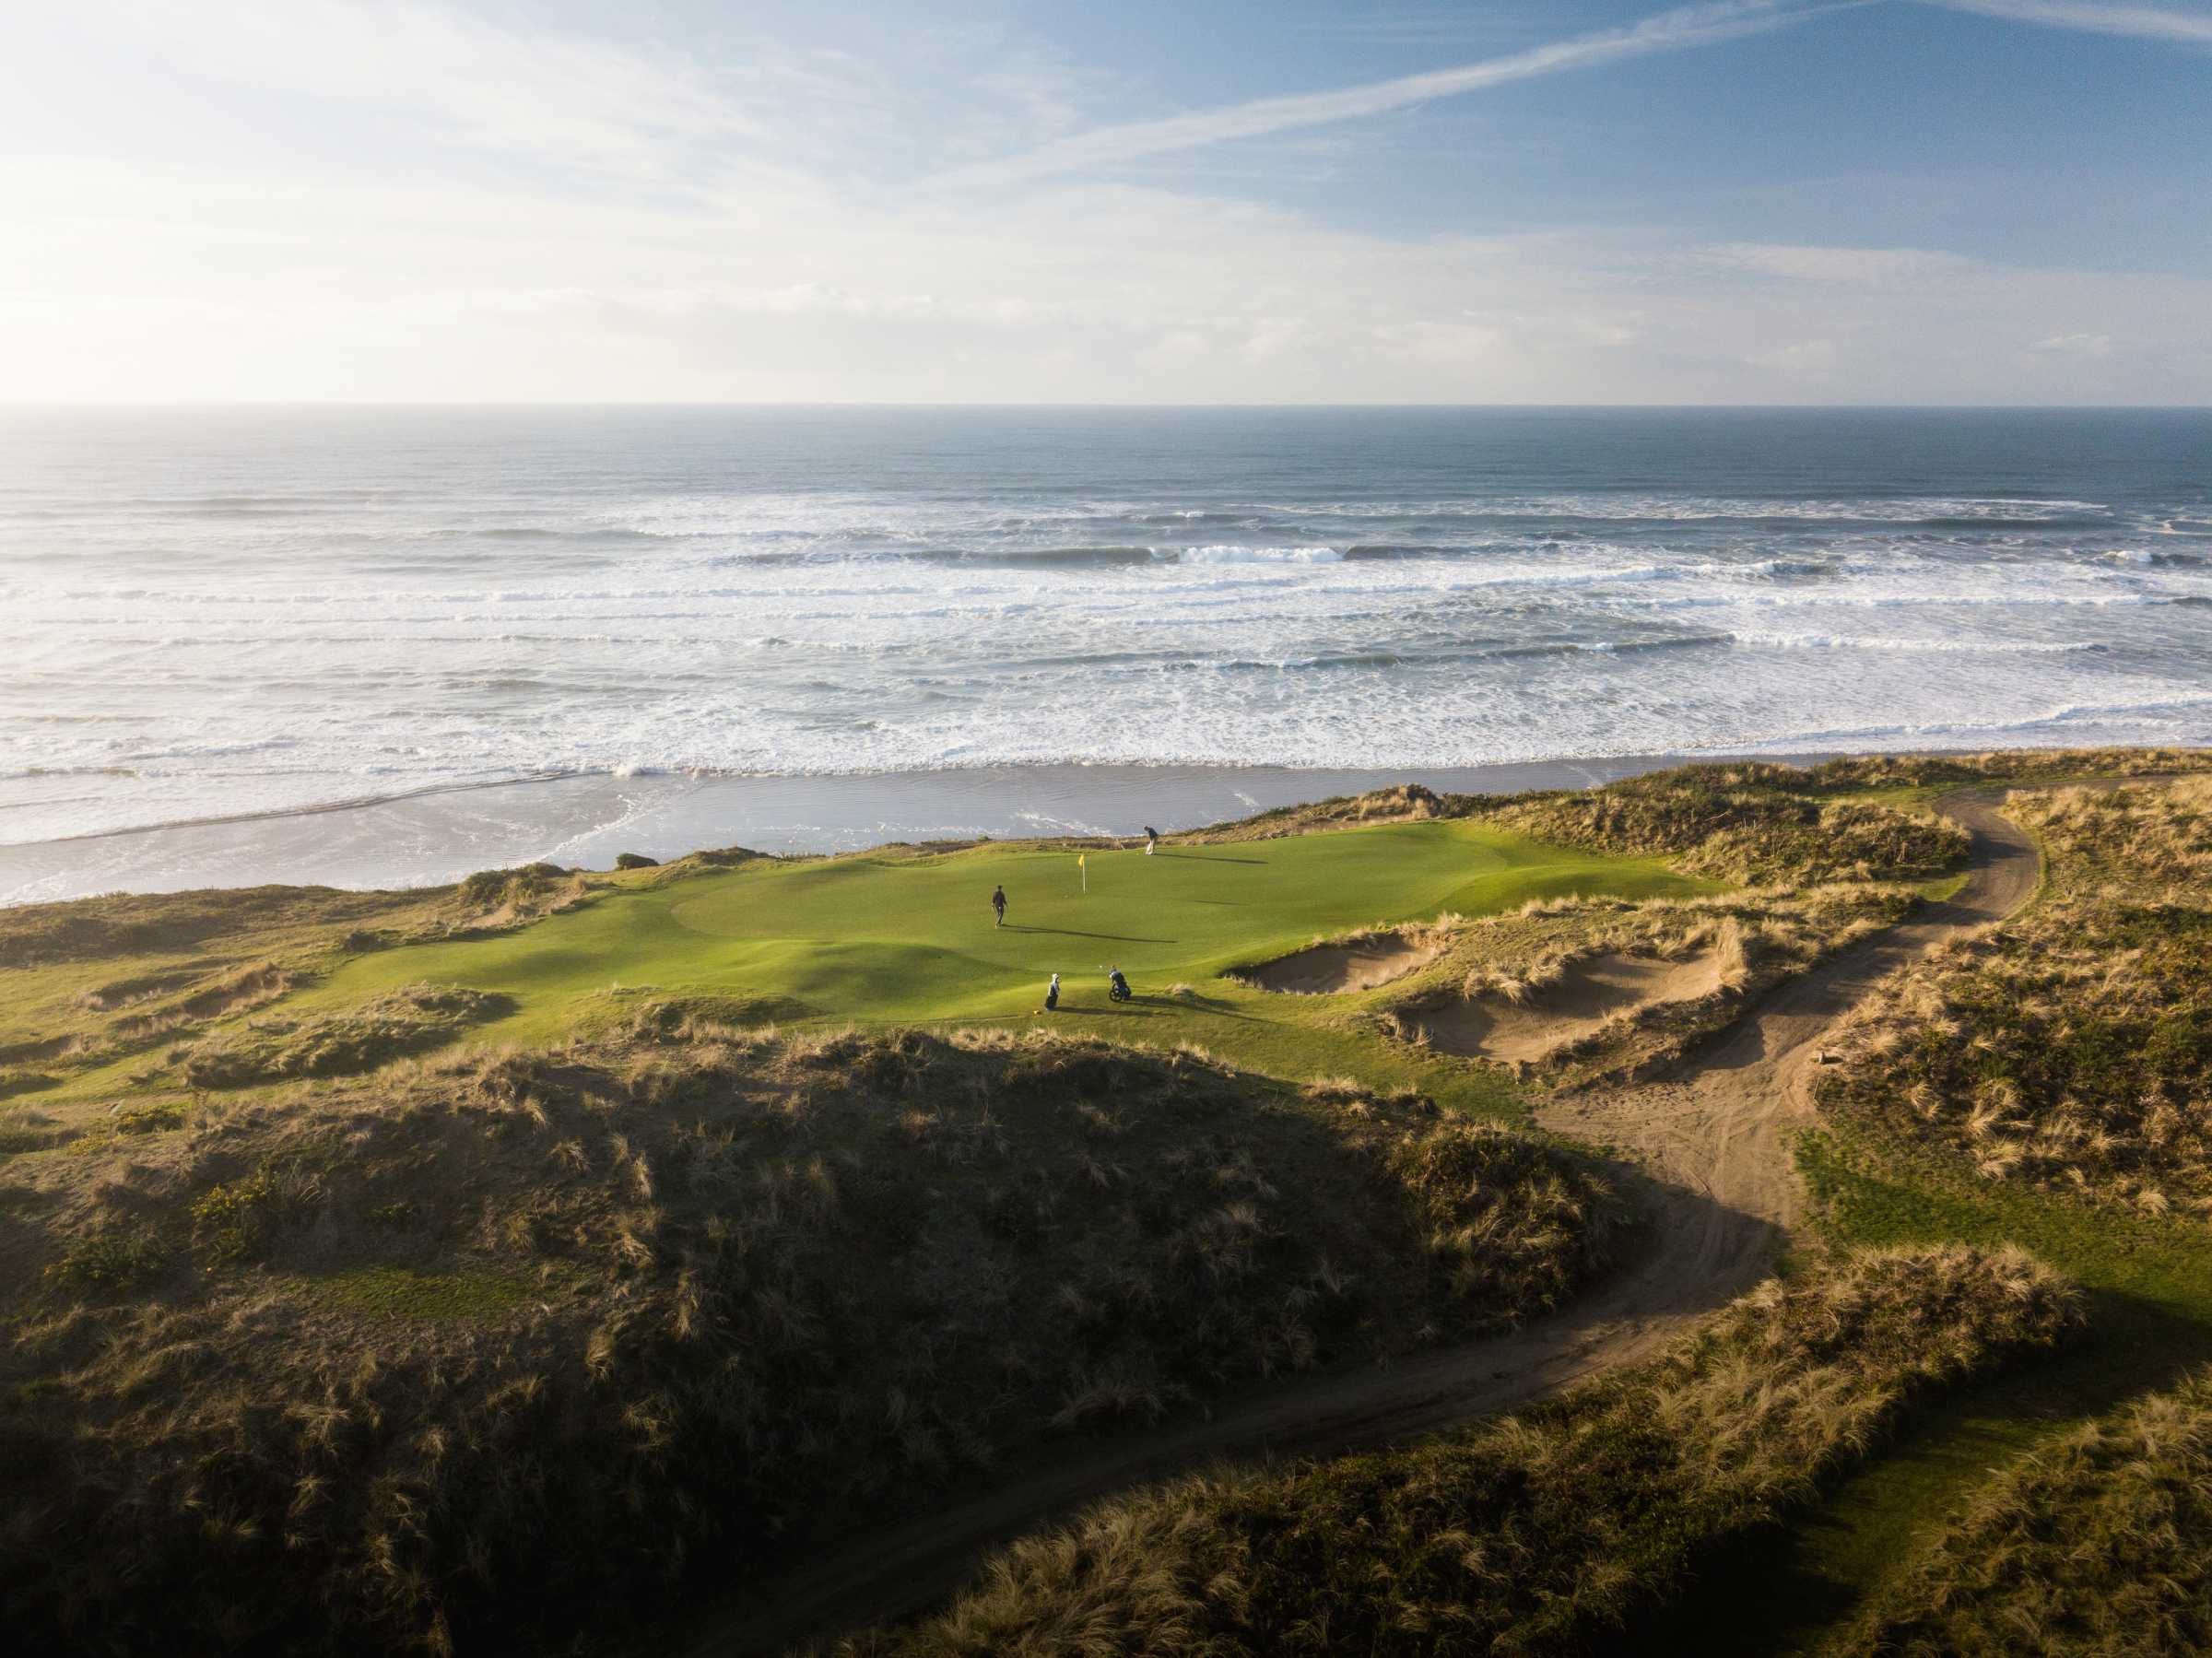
428, 839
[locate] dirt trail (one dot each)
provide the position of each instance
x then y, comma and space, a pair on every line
1722, 1192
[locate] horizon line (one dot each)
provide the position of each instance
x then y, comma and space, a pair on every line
706, 402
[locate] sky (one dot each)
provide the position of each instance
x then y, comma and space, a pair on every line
1153, 201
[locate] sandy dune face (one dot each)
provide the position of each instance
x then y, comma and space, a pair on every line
1333, 969
1590, 993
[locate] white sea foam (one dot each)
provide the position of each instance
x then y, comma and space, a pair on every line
306, 628
1251, 554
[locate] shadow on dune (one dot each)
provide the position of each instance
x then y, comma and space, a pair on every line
1704, 1255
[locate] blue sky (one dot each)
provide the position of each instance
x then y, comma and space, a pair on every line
1788, 201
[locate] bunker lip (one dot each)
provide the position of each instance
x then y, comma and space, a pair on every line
1328, 970
1589, 995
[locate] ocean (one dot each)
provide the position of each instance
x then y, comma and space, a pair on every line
243, 613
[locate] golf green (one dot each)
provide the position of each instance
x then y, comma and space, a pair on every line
904, 935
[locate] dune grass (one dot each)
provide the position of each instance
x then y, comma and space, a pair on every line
2093, 1543
491, 1349
482, 1288
1747, 822
2147, 1281
2068, 1049
1549, 1531
2034, 1087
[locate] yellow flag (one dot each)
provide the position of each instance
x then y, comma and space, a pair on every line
1080, 862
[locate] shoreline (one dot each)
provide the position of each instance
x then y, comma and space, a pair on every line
434, 836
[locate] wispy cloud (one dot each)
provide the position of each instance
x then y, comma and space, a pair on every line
2143, 23
558, 99
2075, 344
430, 205
1847, 267
1131, 141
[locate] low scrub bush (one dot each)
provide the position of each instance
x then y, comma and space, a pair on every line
125, 924
1398, 804
2007, 765
238, 1220
108, 1261
1543, 1533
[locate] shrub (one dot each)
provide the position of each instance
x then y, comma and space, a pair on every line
107, 1261
232, 1222
527, 884
635, 860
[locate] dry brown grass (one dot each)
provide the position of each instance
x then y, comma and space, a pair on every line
1401, 803
1755, 823
401, 1022
1755, 939
1543, 1533
2009, 765
2100, 1542
175, 923
495, 1348
2070, 1048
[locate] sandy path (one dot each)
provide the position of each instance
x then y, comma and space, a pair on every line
1723, 1190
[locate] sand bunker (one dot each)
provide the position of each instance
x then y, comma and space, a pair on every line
1329, 970
1587, 995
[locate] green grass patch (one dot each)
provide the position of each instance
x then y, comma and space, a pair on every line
400, 1292
2148, 1287
905, 937
108, 1263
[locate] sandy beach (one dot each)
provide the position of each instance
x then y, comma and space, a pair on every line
427, 839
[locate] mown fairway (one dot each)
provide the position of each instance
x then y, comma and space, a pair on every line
904, 937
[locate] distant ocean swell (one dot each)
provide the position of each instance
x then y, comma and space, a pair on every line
326, 604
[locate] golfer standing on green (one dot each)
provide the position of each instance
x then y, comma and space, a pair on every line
998, 904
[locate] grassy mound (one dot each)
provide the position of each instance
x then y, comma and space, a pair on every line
164, 923
342, 1044
1754, 823
1543, 1533
2101, 1543
2002, 765
493, 1347
2071, 1047
93, 982
1401, 803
